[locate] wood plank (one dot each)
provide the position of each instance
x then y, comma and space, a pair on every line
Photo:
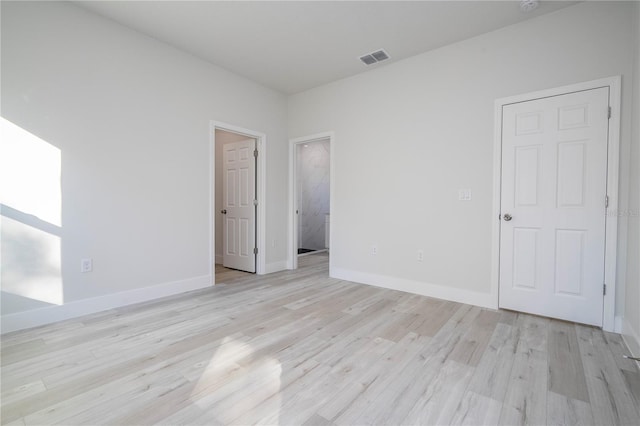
20, 351
475, 409
492, 375
431, 321
11, 395
289, 405
566, 374
441, 399
525, 400
415, 382
363, 409
354, 374
317, 420
471, 347
508, 317
567, 411
398, 326
610, 398
633, 383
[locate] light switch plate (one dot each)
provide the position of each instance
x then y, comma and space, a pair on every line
464, 194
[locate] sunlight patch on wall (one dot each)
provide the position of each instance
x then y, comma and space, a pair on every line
30, 220
30, 171
30, 263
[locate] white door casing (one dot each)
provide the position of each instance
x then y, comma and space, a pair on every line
292, 263
239, 171
553, 185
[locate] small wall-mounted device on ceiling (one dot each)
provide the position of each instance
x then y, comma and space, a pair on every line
374, 57
529, 5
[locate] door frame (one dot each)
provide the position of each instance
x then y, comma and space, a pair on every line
292, 262
613, 166
261, 163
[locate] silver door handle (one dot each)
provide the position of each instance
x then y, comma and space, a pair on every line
507, 217
224, 211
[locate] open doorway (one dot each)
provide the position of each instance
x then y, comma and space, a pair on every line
237, 191
310, 195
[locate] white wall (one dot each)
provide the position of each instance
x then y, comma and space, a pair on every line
131, 117
631, 326
222, 138
410, 134
313, 193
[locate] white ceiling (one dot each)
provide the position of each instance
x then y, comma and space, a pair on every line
292, 46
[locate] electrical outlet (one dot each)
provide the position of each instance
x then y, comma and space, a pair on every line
420, 255
374, 250
86, 265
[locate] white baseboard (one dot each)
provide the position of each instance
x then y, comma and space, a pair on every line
51, 314
631, 338
275, 267
485, 300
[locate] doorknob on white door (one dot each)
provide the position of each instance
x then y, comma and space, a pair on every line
223, 211
507, 217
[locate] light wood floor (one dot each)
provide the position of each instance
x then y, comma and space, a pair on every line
227, 275
300, 348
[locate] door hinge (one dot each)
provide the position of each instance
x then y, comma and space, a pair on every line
604, 289
609, 113
606, 201
255, 250
255, 153
255, 202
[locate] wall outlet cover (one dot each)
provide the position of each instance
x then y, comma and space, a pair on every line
86, 265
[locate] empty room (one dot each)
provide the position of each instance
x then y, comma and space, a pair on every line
320, 212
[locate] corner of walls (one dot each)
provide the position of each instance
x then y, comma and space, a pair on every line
631, 338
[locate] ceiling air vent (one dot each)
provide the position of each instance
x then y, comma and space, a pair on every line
372, 58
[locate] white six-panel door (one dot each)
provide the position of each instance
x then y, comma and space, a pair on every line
552, 236
238, 208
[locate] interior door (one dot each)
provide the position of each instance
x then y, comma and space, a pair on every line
553, 212
239, 171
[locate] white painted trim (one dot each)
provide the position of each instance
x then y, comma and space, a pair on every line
618, 324
261, 192
631, 338
292, 258
613, 176
484, 300
278, 266
613, 166
78, 308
